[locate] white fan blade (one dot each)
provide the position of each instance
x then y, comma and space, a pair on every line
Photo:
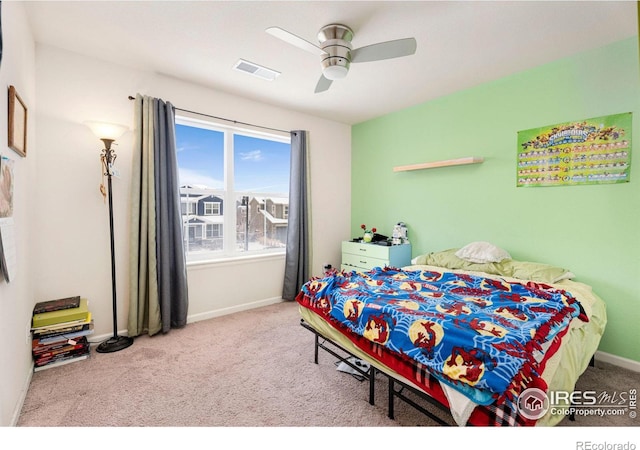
384, 50
323, 84
292, 39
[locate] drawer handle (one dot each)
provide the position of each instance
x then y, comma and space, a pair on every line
363, 262
362, 249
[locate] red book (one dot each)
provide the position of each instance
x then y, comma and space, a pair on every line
57, 305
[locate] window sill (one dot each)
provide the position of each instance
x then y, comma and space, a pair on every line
234, 260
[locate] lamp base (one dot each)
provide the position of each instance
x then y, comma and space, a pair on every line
114, 344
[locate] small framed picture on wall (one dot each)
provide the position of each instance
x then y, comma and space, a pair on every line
17, 123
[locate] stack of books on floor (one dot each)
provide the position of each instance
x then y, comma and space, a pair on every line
59, 332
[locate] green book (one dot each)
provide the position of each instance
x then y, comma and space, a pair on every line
62, 316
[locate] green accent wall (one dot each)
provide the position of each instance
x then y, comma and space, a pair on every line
592, 230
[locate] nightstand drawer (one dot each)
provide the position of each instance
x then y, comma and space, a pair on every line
362, 261
365, 250
361, 256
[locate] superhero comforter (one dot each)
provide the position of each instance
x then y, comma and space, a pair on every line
480, 336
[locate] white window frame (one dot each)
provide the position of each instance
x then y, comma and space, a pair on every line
230, 195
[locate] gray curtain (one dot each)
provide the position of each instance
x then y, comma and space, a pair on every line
296, 271
158, 285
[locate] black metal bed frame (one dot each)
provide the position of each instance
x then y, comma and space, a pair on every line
321, 341
370, 375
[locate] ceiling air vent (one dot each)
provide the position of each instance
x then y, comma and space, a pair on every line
256, 70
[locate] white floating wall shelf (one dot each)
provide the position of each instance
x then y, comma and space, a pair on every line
445, 163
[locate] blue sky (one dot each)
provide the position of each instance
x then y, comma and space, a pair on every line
260, 165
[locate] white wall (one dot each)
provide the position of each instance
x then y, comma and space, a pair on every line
61, 222
70, 230
16, 298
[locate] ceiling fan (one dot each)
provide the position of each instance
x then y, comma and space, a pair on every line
337, 53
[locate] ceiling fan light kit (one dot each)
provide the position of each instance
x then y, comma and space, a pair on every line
335, 72
337, 53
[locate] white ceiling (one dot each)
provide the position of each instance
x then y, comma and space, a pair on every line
460, 44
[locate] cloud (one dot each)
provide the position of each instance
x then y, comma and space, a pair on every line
187, 146
195, 178
255, 155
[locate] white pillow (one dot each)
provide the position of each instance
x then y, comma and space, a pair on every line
482, 252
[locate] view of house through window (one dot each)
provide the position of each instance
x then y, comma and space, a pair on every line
234, 190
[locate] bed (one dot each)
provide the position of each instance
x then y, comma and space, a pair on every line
469, 329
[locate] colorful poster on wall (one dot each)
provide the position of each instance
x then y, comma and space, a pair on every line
592, 151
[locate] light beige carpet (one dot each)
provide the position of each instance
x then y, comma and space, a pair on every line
249, 369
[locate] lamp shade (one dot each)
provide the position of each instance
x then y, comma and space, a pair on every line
105, 130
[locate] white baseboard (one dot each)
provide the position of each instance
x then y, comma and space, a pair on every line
97, 339
233, 309
619, 361
23, 396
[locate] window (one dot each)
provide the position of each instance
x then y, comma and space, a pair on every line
187, 208
211, 209
228, 176
214, 230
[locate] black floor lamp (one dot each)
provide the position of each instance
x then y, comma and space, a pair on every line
108, 133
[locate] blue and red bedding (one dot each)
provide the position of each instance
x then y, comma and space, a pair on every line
484, 337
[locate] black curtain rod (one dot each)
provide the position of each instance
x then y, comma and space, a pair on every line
227, 120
